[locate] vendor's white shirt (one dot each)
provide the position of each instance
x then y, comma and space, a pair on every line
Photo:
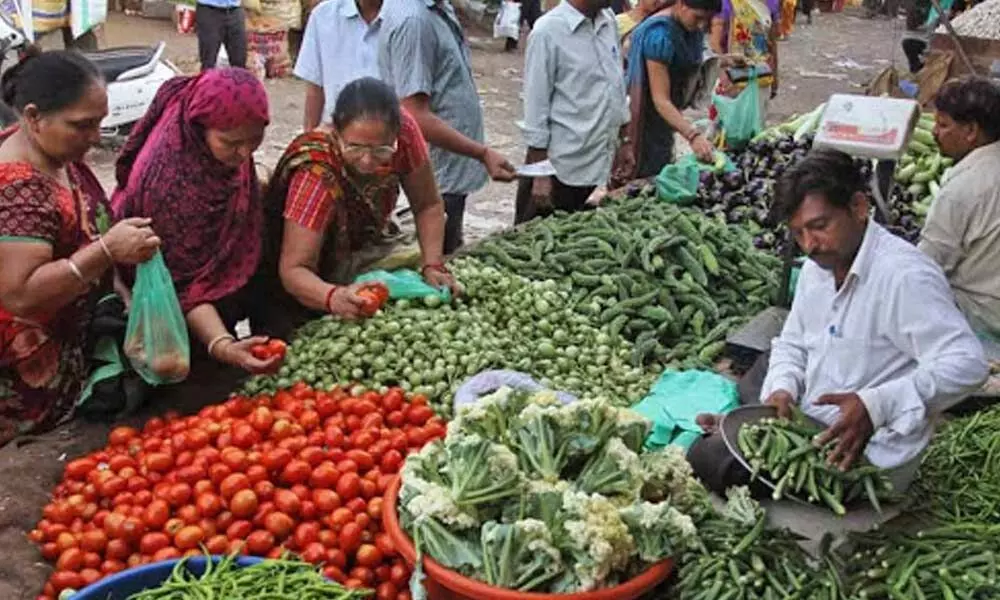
338, 47
892, 334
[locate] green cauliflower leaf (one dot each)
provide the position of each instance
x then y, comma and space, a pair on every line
519, 555
614, 471
660, 530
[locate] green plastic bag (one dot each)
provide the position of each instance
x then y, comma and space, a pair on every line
678, 182
156, 340
405, 284
677, 398
740, 116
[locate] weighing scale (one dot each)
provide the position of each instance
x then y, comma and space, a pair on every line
862, 126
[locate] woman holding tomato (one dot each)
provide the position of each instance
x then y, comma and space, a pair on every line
189, 166
332, 196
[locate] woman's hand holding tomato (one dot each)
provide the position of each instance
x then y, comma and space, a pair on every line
240, 354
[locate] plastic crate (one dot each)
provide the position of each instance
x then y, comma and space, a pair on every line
131, 581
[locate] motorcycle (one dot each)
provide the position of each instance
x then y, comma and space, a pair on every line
133, 75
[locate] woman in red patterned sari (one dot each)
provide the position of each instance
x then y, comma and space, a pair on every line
55, 262
333, 193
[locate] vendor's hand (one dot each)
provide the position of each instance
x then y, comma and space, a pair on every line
852, 430
499, 168
346, 303
238, 354
709, 422
439, 278
703, 149
541, 193
783, 401
131, 241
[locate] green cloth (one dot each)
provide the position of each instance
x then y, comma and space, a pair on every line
677, 398
404, 284
678, 182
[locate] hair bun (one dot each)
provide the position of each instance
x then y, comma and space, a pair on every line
8, 81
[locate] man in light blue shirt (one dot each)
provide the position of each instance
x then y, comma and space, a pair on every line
340, 45
218, 23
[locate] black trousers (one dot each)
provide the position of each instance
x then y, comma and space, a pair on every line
217, 27
914, 50
711, 460
564, 197
454, 210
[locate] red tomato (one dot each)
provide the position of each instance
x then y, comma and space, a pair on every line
132, 530
208, 505
239, 530
243, 504
350, 538
94, 541
384, 543
399, 575
313, 553
264, 490
261, 419
277, 347
386, 591
363, 574
167, 554
368, 556
156, 514
232, 484
392, 400
287, 502
79, 469
296, 471
368, 488
109, 567
62, 580
189, 537
217, 473
121, 436
151, 543
362, 458
245, 436
158, 462
259, 543
392, 460
305, 534
326, 501
71, 559
179, 494
217, 544
325, 476
348, 486
235, 459
279, 525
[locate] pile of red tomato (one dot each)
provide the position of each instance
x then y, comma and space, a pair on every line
302, 471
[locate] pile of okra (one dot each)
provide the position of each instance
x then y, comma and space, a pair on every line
783, 449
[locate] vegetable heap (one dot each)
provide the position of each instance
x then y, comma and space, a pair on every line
301, 470
943, 563
673, 280
505, 321
784, 450
919, 174
267, 580
528, 494
959, 478
739, 558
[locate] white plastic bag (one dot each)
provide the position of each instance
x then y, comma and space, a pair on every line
85, 14
508, 21
487, 382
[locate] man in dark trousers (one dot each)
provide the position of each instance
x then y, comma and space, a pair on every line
221, 22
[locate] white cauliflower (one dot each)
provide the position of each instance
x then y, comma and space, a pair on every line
596, 539
660, 530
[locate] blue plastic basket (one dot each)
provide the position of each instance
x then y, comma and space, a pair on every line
122, 585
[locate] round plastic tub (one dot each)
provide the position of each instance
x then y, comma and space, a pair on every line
130, 581
444, 584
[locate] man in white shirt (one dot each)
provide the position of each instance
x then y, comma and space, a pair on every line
874, 345
574, 105
340, 45
962, 232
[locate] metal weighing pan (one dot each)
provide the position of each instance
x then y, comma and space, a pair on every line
730, 429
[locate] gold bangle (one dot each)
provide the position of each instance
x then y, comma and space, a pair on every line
216, 340
75, 270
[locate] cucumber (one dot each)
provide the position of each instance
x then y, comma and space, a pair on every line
919, 147
906, 173
924, 137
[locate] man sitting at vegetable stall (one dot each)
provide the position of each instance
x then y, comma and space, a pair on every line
874, 345
962, 232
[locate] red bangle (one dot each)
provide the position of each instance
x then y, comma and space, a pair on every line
439, 267
329, 296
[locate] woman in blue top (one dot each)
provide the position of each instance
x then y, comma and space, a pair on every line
665, 56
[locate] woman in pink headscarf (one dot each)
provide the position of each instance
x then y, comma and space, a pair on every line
188, 166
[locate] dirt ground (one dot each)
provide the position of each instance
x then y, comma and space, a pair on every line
839, 53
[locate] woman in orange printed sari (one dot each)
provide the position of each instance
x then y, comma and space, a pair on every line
55, 262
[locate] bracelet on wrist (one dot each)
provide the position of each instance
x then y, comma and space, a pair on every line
692, 135
329, 297
75, 270
107, 251
439, 267
215, 342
